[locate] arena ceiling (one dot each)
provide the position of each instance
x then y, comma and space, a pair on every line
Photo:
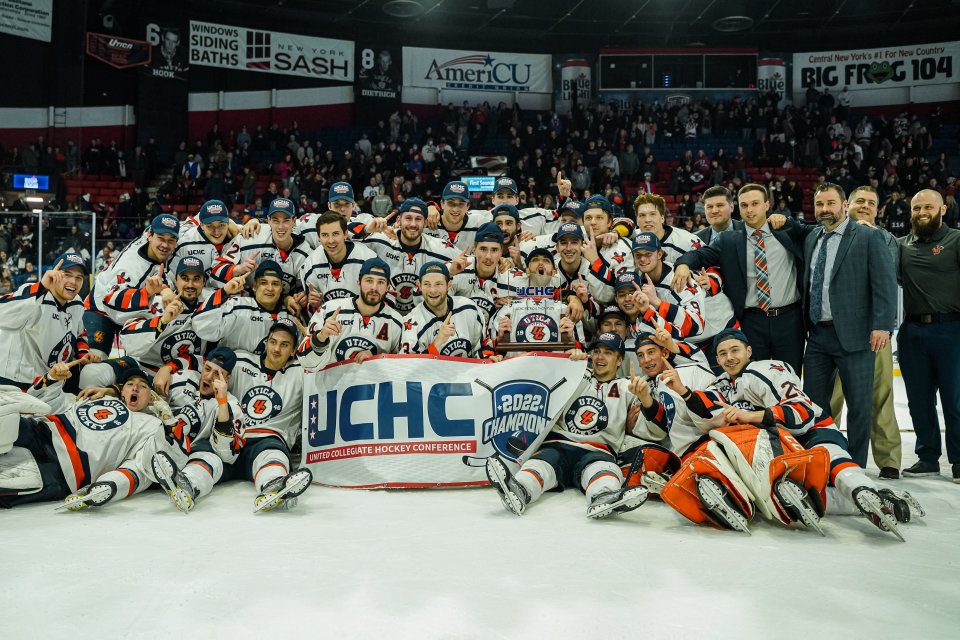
577, 25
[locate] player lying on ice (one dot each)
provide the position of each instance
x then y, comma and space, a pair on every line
751, 440
580, 449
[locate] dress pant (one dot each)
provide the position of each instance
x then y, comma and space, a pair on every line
777, 337
885, 434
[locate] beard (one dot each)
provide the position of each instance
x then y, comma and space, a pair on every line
539, 280
926, 230
368, 298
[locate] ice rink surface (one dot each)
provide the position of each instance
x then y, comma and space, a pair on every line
454, 564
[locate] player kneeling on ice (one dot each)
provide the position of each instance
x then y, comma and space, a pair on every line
94, 452
580, 449
770, 448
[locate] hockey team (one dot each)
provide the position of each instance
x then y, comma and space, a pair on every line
217, 323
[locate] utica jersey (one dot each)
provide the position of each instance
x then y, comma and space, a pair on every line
421, 327
405, 263
379, 334
237, 322
485, 291
193, 243
262, 248
336, 280
175, 345
717, 309
118, 291
464, 237
200, 414
271, 400
676, 242
682, 427
306, 226
596, 417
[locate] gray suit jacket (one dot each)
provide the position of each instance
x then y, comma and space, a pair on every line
863, 285
706, 233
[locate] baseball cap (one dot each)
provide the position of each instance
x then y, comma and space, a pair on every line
625, 280
645, 241
282, 205
285, 324
414, 205
268, 268
643, 338
506, 183
213, 211
568, 229
573, 206
190, 263
730, 334
340, 191
505, 210
129, 373
609, 340
224, 358
612, 310
539, 252
456, 190
489, 232
165, 224
375, 266
597, 202
70, 260
435, 267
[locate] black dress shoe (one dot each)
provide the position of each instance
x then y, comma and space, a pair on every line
889, 473
956, 473
922, 469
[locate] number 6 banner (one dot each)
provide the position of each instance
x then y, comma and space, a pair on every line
414, 421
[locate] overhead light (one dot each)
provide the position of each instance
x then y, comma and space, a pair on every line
403, 8
730, 24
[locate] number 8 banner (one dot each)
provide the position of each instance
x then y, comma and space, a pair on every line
379, 77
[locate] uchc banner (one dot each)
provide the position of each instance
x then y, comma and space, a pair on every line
906, 66
477, 70
409, 421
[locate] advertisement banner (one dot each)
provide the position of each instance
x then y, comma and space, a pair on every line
119, 53
228, 47
168, 58
477, 70
772, 77
574, 82
379, 77
423, 421
27, 18
906, 66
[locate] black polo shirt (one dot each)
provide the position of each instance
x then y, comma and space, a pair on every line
930, 272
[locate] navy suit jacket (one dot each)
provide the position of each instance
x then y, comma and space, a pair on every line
707, 233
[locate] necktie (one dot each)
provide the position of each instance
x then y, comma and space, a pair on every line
816, 285
760, 268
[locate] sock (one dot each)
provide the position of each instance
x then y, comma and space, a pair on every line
598, 477
536, 476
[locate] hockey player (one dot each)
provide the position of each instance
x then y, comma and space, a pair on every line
774, 449
682, 312
581, 447
409, 251
207, 237
213, 431
456, 225
87, 455
41, 325
575, 271
354, 328
340, 201
239, 321
483, 281
332, 270
270, 391
611, 259
442, 324
128, 285
649, 210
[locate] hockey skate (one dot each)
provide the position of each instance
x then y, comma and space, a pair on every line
872, 505
97, 494
620, 501
514, 497
282, 493
902, 504
718, 505
796, 502
174, 481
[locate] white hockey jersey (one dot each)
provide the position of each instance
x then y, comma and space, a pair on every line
200, 414
177, 344
682, 313
306, 226
464, 238
336, 280
485, 291
262, 248
194, 243
405, 263
421, 326
717, 309
379, 333
118, 291
676, 242
271, 401
237, 322
682, 427
535, 319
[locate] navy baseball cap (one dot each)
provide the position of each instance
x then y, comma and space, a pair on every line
489, 232
285, 324
413, 205
190, 263
456, 190
572, 206
70, 260
165, 224
376, 267
224, 358
213, 211
598, 202
646, 241
625, 280
610, 340
435, 266
268, 268
505, 210
569, 229
340, 191
282, 205
506, 183
540, 252
612, 310
642, 339
127, 374
730, 334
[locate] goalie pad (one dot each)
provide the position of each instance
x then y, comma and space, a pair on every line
659, 464
761, 456
19, 473
705, 460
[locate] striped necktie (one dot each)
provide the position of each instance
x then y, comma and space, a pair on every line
760, 268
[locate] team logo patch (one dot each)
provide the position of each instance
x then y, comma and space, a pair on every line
341, 189
214, 209
182, 344
458, 187
352, 345
103, 415
586, 416
61, 352
537, 327
169, 223
260, 404
484, 304
505, 182
937, 249
280, 203
519, 415
408, 289
669, 407
456, 347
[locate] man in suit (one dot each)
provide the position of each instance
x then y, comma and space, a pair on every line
849, 293
762, 269
718, 205
885, 434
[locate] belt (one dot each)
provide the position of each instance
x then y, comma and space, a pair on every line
773, 312
825, 323
931, 318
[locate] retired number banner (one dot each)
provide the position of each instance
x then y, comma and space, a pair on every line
412, 421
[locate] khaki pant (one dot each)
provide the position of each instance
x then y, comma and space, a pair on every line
885, 434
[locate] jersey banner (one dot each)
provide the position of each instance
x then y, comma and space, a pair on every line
410, 421
906, 66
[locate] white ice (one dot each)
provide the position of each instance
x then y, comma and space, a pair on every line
454, 564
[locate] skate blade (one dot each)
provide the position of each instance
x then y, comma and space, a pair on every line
789, 494
712, 498
82, 502
178, 497
497, 477
297, 487
888, 522
915, 508
625, 504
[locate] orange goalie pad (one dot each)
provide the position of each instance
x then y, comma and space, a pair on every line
681, 491
656, 459
810, 468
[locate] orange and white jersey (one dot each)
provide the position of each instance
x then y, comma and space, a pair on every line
676, 242
681, 425
176, 344
118, 292
421, 326
193, 243
485, 291
405, 263
379, 334
335, 280
462, 238
271, 401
